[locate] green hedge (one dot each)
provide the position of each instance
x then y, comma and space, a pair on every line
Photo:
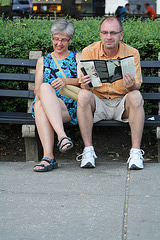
20, 36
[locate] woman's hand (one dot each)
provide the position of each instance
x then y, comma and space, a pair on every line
58, 83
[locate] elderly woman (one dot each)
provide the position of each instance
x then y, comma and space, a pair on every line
50, 108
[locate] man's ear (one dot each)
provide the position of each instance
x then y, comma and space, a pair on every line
121, 36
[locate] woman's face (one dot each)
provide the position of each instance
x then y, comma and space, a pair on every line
60, 42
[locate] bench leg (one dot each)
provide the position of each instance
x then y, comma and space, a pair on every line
158, 143
31, 149
31, 146
158, 150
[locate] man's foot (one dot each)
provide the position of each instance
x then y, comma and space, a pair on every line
136, 159
87, 158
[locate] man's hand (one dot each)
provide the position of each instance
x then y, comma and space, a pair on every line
85, 80
129, 82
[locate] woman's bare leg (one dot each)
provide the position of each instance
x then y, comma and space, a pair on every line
48, 103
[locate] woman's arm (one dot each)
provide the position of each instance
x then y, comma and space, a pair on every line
38, 75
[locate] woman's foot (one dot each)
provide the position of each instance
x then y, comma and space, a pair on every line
47, 164
65, 144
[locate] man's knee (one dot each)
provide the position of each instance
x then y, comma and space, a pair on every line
134, 98
85, 97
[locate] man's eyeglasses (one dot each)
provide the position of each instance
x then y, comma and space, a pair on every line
63, 40
105, 33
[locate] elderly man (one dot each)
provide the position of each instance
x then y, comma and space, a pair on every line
6, 9
120, 100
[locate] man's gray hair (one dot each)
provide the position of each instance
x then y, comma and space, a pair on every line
63, 26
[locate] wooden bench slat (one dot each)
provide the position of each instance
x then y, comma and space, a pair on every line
30, 94
16, 118
151, 80
17, 93
150, 64
28, 77
26, 118
25, 77
32, 63
151, 96
18, 62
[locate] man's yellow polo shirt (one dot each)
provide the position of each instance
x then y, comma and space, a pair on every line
115, 89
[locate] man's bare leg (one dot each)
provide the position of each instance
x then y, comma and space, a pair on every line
135, 113
85, 110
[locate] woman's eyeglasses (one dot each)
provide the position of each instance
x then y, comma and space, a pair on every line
63, 40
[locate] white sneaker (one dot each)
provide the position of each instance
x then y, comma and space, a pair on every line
136, 159
87, 159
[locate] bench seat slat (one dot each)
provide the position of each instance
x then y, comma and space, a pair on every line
17, 93
25, 77
150, 64
151, 80
18, 62
30, 94
26, 118
151, 96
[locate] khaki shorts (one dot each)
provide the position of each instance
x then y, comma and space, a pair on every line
107, 109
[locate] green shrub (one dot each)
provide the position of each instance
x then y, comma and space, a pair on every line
20, 36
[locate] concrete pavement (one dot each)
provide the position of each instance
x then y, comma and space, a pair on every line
70, 203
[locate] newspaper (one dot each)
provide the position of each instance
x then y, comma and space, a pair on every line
102, 71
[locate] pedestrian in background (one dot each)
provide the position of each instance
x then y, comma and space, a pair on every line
150, 11
138, 9
6, 9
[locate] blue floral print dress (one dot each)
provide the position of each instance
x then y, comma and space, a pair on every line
51, 72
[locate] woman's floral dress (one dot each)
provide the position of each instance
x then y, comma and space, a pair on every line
51, 72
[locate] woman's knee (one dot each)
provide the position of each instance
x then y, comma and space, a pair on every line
44, 88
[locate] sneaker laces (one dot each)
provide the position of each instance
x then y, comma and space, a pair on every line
80, 156
141, 152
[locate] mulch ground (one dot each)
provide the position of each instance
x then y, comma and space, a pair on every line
111, 143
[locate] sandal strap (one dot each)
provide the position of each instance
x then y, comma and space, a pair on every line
61, 139
49, 160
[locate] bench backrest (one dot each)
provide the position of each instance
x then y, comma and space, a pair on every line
31, 64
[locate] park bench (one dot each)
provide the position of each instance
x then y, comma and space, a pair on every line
28, 123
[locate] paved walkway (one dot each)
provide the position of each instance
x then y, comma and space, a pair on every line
70, 203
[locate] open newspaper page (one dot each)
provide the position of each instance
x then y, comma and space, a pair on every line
128, 66
102, 71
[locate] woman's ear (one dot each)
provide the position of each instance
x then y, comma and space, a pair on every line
70, 41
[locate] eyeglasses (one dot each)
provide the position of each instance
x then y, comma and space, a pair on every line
63, 40
111, 33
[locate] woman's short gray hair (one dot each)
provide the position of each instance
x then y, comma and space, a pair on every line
63, 26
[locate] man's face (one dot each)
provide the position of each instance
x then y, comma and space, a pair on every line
110, 34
